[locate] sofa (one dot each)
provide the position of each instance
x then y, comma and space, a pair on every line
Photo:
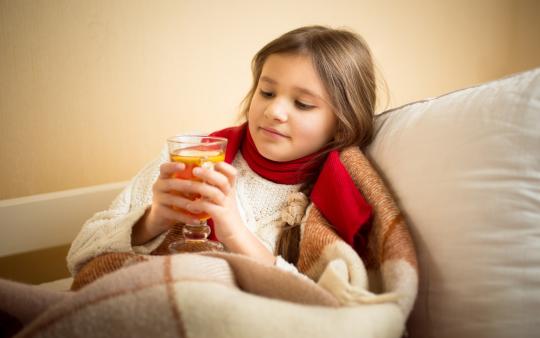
465, 170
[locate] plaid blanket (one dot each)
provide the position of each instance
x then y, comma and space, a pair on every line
341, 293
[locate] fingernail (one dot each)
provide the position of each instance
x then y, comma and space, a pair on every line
208, 165
197, 171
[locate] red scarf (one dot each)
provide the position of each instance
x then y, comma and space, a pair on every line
334, 192
290, 172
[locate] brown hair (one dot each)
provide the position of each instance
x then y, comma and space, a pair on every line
344, 63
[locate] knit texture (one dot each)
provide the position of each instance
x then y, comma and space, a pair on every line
260, 202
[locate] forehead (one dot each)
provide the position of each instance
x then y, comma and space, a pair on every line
293, 71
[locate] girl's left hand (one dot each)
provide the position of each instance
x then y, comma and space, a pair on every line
218, 199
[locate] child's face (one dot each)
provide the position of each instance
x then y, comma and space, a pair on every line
290, 115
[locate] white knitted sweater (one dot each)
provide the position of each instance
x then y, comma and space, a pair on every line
260, 203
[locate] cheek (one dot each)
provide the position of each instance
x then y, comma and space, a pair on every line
320, 130
332, 128
250, 109
254, 108
330, 125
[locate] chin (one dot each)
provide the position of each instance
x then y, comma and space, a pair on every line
272, 156
276, 155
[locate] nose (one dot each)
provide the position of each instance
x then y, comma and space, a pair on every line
276, 110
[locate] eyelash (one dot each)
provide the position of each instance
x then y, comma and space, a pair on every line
267, 95
303, 106
298, 104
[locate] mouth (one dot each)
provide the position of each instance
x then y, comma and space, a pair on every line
273, 132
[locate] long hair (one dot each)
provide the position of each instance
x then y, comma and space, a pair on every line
344, 63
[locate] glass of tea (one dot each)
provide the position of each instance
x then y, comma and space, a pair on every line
195, 151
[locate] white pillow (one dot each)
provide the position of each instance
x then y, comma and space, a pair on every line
465, 169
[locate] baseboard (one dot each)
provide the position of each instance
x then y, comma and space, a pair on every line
53, 219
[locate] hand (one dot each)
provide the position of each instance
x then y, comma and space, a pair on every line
218, 199
161, 216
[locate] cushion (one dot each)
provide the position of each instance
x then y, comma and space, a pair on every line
465, 168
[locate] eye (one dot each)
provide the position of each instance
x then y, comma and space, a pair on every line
265, 94
303, 106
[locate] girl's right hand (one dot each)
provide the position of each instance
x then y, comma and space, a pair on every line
160, 217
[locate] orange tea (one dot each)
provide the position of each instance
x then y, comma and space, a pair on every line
195, 156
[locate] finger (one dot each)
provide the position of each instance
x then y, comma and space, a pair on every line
167, 169
173, 184
177, 216
187, 187
201, 205
212, 194
175, 208
172, 200
198, 190
213, 177
204, 192
228, 170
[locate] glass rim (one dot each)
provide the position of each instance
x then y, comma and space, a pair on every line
214, 140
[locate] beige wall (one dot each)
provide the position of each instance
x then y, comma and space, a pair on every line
90, 89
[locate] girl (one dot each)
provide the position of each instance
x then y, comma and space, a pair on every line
313, 94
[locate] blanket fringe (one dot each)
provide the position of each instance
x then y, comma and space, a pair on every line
335, 279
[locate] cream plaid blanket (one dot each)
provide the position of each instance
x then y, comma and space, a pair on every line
228, 295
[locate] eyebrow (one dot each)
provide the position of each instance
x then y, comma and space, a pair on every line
300, 89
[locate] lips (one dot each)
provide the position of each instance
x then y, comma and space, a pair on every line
273, 131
